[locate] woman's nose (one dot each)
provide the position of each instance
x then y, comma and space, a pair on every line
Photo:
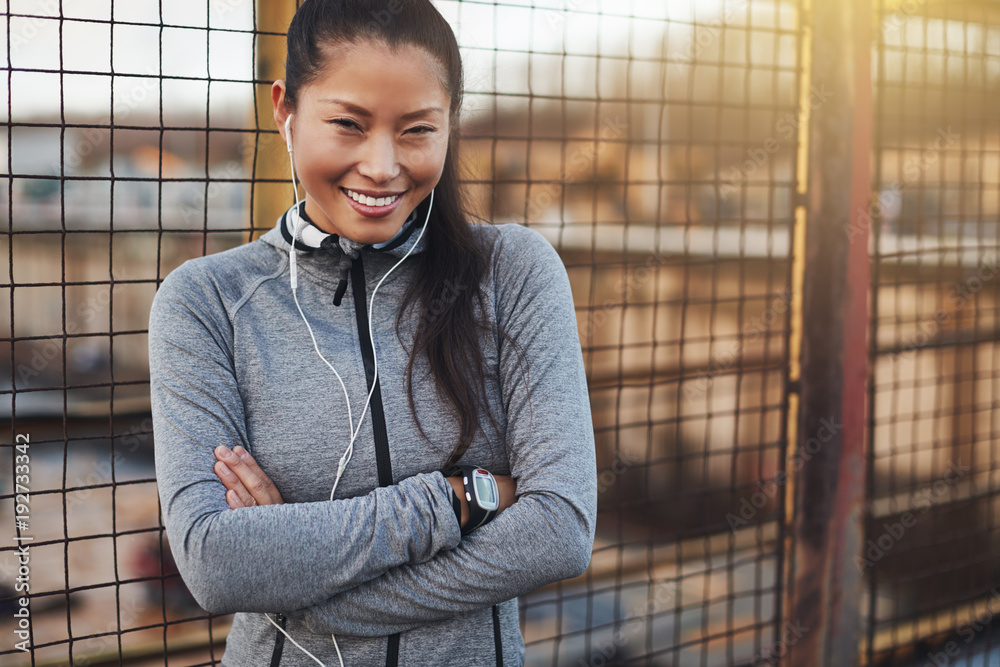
380, 162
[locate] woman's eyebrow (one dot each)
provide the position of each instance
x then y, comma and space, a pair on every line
429, 111
353, 108
361, 111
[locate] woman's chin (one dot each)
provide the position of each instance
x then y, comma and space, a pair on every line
371, 232
366, 230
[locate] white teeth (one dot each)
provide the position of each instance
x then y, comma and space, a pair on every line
371, 201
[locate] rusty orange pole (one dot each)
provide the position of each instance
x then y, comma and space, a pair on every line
822, 619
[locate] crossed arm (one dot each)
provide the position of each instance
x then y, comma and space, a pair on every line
247, 485
544, 536
409, 572
453, 581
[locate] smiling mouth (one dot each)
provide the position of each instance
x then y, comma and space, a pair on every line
374, 202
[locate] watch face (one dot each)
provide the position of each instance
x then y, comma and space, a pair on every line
486, 490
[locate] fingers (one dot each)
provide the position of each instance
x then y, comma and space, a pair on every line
248, 485
235, 501
237, 494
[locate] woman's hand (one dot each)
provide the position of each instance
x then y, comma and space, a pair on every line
505, 486
246, 484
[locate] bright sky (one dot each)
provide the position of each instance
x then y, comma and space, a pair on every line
578, 26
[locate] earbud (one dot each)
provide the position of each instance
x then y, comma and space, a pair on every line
293, 273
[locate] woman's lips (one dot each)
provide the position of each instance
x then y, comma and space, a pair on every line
373, 207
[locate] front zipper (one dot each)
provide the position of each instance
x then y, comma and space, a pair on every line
382, 460
368, 356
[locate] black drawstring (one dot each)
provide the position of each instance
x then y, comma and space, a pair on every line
331, 245
345, 268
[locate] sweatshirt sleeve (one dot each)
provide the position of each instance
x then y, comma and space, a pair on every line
548, 534
260, 558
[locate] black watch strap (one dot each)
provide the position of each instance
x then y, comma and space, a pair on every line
456, 504
478, 514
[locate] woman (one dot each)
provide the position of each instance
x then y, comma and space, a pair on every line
311, 389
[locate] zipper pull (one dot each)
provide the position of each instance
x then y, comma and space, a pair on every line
331, 246
345, 268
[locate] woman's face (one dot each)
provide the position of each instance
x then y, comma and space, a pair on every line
369, 137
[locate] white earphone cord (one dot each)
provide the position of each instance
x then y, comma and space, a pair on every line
349, 451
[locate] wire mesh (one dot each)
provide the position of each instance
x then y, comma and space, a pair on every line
932, 528
654, 144
676, 238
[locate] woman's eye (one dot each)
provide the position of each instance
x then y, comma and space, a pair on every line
346, 122
422, 129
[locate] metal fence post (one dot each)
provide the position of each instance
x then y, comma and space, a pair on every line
822, 620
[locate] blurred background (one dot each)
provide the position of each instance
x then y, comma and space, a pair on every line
668, 150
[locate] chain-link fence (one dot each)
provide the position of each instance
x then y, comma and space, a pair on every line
659, 158
932, 534
661, 147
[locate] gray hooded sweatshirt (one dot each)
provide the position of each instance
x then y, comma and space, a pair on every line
383, 567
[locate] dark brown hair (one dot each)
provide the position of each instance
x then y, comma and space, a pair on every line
448, 287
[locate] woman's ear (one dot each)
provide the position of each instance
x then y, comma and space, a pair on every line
281, 113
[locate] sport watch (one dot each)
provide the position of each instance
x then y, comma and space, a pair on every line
481, 493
